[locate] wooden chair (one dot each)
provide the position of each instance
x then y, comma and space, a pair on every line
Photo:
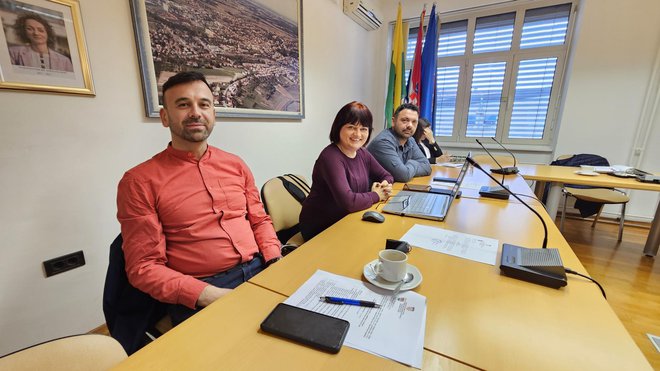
282, 197
73, 353
598, 195
602, 196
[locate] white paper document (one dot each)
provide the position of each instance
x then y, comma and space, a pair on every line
395, 330
466, 246
451, 164
450, 185
472, 185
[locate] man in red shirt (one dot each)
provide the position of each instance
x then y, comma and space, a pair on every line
191, 218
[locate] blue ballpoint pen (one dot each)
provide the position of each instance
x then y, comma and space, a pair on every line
344, 301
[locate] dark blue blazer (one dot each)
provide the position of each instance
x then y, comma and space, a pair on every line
129, 312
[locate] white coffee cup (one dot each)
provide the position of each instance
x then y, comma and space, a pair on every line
392, 265
587, 168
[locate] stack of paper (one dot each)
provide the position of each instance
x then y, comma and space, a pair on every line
462, 245
394, 331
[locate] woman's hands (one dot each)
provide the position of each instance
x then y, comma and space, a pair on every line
383, 189
444, 158
428, 134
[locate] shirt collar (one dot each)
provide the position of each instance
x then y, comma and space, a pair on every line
396, 140
186, 155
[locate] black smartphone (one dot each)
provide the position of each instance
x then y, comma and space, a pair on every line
306, 327
402, 246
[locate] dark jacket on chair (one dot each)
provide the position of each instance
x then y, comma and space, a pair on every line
129, 312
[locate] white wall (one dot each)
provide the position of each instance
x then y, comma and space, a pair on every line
615, 51
61, 158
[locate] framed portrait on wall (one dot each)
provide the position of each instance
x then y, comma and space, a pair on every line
249, 50
42, 47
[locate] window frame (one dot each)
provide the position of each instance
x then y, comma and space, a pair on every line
512, 58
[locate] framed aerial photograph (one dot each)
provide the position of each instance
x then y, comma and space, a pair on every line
249, 50
42, 47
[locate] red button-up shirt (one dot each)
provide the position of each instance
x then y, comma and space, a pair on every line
182, 218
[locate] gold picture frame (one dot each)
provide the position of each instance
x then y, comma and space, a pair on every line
42, 47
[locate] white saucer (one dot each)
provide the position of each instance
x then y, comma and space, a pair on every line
374, 279
589, 173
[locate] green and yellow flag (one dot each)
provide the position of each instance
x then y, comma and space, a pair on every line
396, 86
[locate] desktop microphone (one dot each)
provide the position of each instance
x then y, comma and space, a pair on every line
541, 266
494, 192
502, 170
511, 169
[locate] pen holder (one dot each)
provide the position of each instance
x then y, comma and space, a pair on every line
402, 246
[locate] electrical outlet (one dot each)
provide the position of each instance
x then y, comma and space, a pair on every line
64, 263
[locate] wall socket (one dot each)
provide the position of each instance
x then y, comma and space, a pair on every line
64, 263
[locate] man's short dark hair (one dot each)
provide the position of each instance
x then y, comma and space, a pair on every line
184, 78
409, 106
351, 113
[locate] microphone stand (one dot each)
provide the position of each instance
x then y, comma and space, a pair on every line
494, 192
541, 266
511, 169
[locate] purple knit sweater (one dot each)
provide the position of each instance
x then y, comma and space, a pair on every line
340, 185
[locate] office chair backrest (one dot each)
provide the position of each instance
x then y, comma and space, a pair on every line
282, 197
79, 352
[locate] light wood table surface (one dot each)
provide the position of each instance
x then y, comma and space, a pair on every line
557, 176
226, 336
474, 179
476, 315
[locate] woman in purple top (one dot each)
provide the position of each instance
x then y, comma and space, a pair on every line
346, 177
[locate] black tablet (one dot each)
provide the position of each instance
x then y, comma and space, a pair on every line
306, 327
445, 180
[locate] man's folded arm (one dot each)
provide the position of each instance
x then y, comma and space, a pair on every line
420, 162
385, 153
144, 250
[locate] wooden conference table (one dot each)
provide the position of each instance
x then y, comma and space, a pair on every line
226, 336
475, 316
557, 176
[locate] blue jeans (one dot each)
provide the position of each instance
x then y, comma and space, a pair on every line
229, 279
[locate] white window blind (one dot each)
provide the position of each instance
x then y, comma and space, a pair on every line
485, 96
532, 97
494, 33
545, 26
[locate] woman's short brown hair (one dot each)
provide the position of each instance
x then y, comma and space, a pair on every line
352, 113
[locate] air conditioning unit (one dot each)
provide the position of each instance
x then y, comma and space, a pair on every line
362, 14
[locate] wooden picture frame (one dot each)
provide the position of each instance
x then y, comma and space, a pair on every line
42, 47
249, 50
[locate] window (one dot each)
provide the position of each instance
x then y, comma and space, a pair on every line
500, 71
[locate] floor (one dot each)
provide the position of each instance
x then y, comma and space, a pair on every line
631, 280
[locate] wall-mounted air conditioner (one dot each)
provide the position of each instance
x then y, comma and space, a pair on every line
362, 14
